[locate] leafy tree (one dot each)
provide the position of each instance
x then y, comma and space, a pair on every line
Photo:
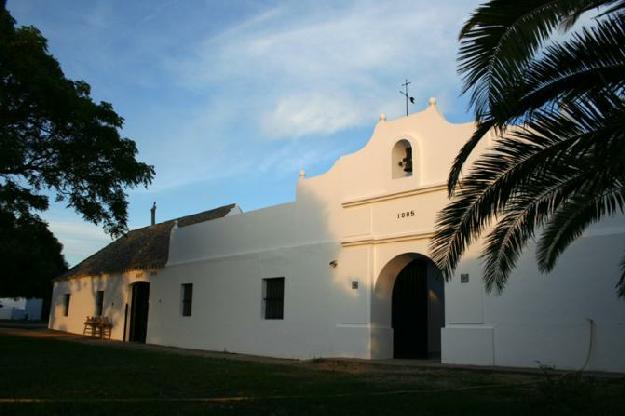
557, 105
55, 139
31, 257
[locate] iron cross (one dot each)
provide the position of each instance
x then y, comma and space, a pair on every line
409, 99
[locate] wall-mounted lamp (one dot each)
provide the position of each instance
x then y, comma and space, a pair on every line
333, 264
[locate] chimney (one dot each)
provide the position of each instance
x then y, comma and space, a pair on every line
153, 214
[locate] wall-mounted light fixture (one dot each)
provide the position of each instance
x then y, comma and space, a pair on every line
333, 264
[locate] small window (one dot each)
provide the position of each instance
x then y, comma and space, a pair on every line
99, 302
273, 298
187, 295
402, 159
66, 305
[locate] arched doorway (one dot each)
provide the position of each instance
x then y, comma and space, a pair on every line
408, 309
139, 308
409, 317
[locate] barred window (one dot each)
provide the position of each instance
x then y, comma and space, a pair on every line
99, 302
187, 295
66, 304
273, 297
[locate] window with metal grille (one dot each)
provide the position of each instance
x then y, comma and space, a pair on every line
273, 297
187, 295
66, 305
99, 302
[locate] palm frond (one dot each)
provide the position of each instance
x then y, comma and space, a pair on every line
490, 50
482, 128
492, 181
603, 155
529, 209
614, 7
593, 60
569, 192
620, 285
558, 107
523, 179
572, 219
497, 60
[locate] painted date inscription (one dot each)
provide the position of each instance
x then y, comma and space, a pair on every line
405, 214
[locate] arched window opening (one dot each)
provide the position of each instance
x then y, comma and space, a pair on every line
402, 159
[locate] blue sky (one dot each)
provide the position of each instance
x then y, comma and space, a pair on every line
229, 100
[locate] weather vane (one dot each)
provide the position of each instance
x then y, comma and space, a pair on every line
409, 99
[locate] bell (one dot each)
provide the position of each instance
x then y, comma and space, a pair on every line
407, 161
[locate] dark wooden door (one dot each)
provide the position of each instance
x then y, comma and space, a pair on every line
139, 312
410, 312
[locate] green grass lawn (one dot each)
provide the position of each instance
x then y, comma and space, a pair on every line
77, 378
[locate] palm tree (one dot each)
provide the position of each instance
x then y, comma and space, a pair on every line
548, 76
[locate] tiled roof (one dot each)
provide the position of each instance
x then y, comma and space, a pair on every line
143, 248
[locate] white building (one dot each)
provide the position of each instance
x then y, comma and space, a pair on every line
343, 272
20, 309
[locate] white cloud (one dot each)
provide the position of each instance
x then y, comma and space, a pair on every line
318, 70
306, 114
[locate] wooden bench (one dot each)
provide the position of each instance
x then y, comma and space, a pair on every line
98, 326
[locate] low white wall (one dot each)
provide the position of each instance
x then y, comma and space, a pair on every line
33, 309
12, 308
21, 308
544, 319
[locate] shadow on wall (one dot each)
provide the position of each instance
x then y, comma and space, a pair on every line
83, 303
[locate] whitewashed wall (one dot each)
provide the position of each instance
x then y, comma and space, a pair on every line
21, 308
83, 290
354, 214
227, 304
544, 319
